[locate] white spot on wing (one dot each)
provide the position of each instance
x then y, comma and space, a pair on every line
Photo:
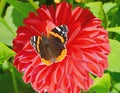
34, 38
58, 29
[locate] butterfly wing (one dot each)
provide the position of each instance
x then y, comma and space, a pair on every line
58, 49
60, 32
35, 41
42, 46
57, 38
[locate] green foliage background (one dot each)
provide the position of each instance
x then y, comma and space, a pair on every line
11, 16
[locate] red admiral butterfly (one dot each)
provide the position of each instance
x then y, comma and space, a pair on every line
51, 47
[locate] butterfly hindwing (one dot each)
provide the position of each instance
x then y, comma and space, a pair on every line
56, 47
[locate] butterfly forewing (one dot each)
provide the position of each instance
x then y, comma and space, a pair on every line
61, 31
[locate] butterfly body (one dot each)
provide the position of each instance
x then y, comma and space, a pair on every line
52, 46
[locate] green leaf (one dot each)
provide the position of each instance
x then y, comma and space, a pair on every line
114, 33
97, 10
22, 7
114, 29
114, 57
5, 53
101, 85
115, 20
116, 88
6, 84
34, 4
108, 6
71, 1
14, 18
9, 18
2, 5
113, 12
118, 3
5, 66
115, 82
7, 34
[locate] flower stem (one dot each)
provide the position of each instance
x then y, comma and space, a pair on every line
33, 4
14, 80
2, 5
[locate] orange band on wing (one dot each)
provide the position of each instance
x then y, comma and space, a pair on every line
57, 35
46, 62
38, 43
62, 55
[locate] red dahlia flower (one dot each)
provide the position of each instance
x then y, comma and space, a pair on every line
86, 47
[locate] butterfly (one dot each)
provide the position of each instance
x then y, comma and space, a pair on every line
52, 46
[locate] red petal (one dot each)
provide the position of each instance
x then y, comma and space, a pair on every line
36, 26
44, 14
27, 74
63, 13
76, 14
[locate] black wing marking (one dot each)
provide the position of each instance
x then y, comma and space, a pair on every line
35, 41
62, 31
